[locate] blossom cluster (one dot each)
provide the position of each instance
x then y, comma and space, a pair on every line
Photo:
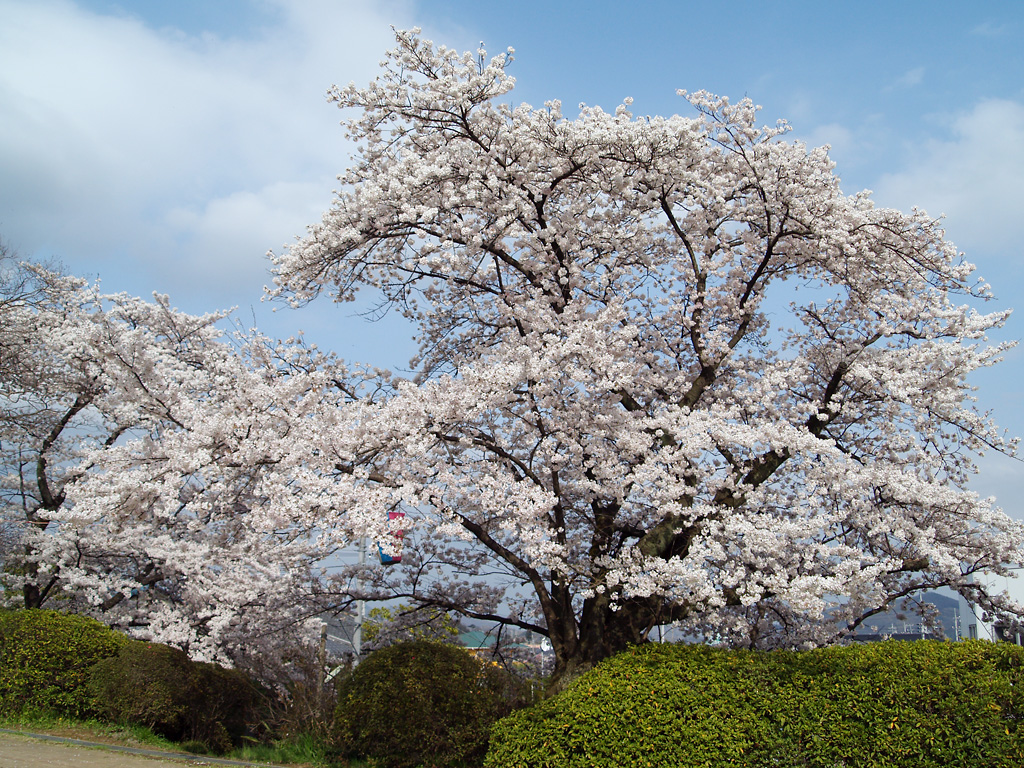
668, 371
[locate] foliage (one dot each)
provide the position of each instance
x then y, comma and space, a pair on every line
923, 704
45, 659
302, 748
146, 684
161, 688
668, 371
386, 626
58, 669
418, 703
228, 708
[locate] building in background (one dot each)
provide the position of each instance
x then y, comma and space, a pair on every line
953, 619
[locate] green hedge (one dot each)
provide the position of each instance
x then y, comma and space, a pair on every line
160, 687
45, 659
911, 705
419, 703
73, 666
148, 684
234, 707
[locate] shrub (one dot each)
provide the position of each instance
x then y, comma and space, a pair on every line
913, 705
907, 704
418, 703
148, 684
45, 658
228, 706
160, 687
649, 706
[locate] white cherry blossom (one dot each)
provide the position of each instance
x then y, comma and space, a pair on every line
668, 371
136, 441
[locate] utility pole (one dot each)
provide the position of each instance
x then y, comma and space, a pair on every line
357, 636
321, 658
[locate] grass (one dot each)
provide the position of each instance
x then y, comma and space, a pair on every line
302, 750
88, 730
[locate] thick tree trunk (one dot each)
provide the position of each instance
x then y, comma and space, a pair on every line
32, 596
601, 633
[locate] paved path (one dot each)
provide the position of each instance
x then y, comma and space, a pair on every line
18, 750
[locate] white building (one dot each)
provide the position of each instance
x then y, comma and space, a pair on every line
975, 625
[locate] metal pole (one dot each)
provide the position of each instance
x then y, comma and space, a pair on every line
321, 658
357, 636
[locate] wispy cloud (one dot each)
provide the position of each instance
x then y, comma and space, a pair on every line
991, 29
908, 79
973, 177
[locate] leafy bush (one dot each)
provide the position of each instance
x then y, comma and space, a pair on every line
160, 687
148, 684
45, 658
228, 706
418, 703
908, 704
913, 705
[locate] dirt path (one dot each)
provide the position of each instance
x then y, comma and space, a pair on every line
22, 751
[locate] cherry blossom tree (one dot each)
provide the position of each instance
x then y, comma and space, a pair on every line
135, 440
668, 371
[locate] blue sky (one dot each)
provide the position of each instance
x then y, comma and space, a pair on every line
166, 146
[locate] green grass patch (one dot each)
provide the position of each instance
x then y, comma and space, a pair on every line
123, 734
301, 750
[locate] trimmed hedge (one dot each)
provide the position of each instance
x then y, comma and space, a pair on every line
73, 666
920, 704
160, 687
45, 657
419, 703
148, 684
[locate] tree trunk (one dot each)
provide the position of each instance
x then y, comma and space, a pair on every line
30, 591
601, 633
32, 595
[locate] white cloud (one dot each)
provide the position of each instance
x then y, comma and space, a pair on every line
237, 230
990, 29
124, 144
973, 177
838, 138
908, 79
